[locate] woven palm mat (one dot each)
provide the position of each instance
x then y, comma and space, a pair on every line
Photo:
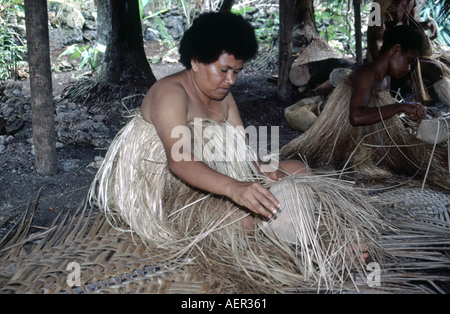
83, 254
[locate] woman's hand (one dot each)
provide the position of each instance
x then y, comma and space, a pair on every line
415, 110
254, 197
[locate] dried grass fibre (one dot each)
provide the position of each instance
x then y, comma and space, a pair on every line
179, 239
115, 262
182, 224
331, 221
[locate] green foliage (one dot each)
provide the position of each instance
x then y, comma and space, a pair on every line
335, 23
10, 54
11, 6
88, 55
242, 10
142, 5
267, 30
12, 48
434, 9
161, 28
267, 33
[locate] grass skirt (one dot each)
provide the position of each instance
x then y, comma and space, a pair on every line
329, 222
371, 151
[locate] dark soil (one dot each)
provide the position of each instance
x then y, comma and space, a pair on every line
22, 189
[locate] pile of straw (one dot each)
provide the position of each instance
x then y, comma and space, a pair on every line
331, 223
151, 220
116, 262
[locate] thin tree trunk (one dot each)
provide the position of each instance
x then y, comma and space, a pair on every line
284, 89
36, 19
103, 21
358, 34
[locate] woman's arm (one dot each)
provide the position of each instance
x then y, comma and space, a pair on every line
169, 111
361, 114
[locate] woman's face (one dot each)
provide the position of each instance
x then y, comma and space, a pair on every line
215, 79
401, 62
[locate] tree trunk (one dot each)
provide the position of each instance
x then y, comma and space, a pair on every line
125, 62
226, 5
284, 89
305, 29
358, 34
36, 19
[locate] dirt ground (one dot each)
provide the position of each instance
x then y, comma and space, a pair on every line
50, 196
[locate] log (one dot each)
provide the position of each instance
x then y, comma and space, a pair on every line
316, 72
338, 75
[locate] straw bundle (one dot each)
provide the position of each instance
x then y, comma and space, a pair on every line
187, 226
329, 224
201, 250
375, 151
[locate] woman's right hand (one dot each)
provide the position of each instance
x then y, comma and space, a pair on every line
415, 110
254, 197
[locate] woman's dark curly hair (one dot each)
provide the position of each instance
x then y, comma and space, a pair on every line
214, 33
407, 37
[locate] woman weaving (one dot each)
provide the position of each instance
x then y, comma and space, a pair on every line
429, 69
220, 212
203, 91
360, 129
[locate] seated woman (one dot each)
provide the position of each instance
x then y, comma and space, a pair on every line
360, 129
181, 176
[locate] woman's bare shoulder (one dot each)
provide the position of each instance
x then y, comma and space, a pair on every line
166, 93
363, 76
173, 82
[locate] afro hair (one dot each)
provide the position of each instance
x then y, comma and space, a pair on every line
214, 33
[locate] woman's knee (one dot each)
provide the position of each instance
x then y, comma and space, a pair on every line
293, 167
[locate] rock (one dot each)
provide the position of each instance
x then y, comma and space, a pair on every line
15, 109
175, 26
98, 160
75, 20
67, 25
69, 165
61, 37
173, 22
69, 16
74, 125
